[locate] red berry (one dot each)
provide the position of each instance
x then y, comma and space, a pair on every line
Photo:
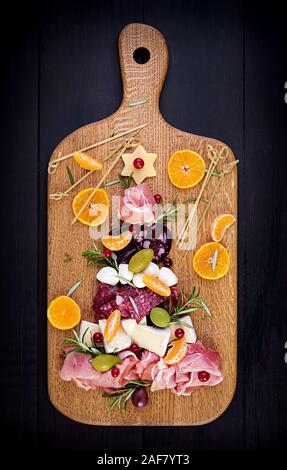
138, 163
115, 372
179, 333
134, 348
203, 376
131, 228
98, 337
167, 262
107, 253
157, 198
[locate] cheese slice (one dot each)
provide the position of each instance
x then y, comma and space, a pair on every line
87, 329
189, 332
151, 338
129, 325
120, 341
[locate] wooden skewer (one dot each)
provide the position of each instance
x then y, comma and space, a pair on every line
194, 208
204, 213
125, 146
97, 144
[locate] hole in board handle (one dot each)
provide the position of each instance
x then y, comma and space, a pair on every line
141, 55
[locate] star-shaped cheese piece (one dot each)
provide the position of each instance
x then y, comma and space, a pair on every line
139, 174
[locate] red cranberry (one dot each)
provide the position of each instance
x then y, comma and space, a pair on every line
167, 262
115, 372
134, 348
203, 376
157, 198
179, 333
98, 337
138, 163
107, 253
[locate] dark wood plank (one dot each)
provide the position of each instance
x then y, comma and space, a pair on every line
203, 94
265, 203
19, 140
80, 83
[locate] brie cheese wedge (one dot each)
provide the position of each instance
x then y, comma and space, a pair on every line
129, 325
87, 329
151, 338
189, 332
120, 341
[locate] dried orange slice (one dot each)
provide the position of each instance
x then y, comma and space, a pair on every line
185, 168
87, 162
117, 242
211, 261
96, 211
219, 226
156, 285
64, 313
176, 353
112, 325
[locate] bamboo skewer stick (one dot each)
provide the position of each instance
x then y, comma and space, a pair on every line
125, 146
60, 195
53, 163
212, 165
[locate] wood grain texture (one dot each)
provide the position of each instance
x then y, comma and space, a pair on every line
142, 81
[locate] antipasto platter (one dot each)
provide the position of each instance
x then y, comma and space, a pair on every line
142, 261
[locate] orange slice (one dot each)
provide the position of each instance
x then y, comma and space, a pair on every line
117, 242
211, 261
64, 313
112, 325
156, 285
87, 162
176, 353
96, 211
219, 226
185, 168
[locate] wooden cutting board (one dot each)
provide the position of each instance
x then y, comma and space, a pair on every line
142, 81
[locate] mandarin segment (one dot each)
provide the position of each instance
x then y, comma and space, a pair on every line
112, 325
177, 352
117, 242
211, 261
64, 313
156, 285
87, 162
185, 168
220, 225
96, 211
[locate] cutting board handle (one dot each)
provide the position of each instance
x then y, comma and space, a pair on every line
144, 62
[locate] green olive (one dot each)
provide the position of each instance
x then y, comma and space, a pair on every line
105, 362
140, 260
160, 317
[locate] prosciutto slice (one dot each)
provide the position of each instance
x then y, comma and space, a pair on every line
182, 378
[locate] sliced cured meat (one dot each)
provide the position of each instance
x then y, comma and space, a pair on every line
119, 298
182, 378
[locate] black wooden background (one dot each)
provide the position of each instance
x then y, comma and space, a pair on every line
226, 80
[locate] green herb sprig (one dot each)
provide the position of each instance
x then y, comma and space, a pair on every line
184, 306
79, 346
125, 181
96, 256
124, 394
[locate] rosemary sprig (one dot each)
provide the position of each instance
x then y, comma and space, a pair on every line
70, 175
96, 256
125, 181
67, 258
192, 303
74, 287
168, 212
79, 346
135, 307
123, 395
